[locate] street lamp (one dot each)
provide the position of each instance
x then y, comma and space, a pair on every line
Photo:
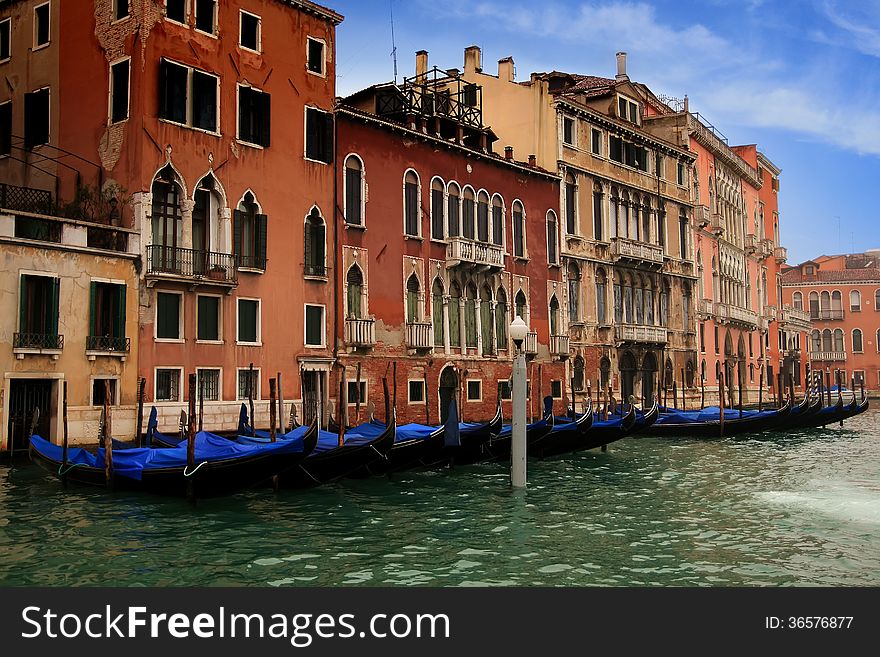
518, 332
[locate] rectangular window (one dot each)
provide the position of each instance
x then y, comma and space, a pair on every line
204, 101
249, 35
249, 321
168, 385
615, 149
504, 391
683, 236
254, 116
315, 56
173, 92
596, 141
356, 394
717, 343
568, 132
658, 165
598, 233
175, 10
120, 9
570, 208
6, 128
437, 205
249, 234
249, 383
5, 39
474, 390
681, 174
470, 95
314, 326
168, 316
41, 25
556, 389
416, 392
100, 388
209, 384
36, 118
319, 135
119, 85
38, 311
208, 318
205, 15
628, 110
106, 317
188, 96
703, 337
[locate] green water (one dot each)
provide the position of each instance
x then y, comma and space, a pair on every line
780, 510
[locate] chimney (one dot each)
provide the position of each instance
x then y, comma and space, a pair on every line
533, 161
506, 69
686, 104
473, 60
421, 63
508, 153
621, 67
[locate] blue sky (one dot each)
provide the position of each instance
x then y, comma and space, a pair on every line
801, 78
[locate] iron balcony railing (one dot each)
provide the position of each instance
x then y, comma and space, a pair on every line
531, 343
632, 250
26, 199
51, 341
827, 314
108, 343
828, 356
419, 335
464, 251
191, 263
559, 345
360, 332
639, 333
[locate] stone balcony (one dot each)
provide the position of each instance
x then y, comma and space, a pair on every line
716, 223
827, 314
68, 234
798, 319
781, 254
530, 346
360, 332
559, 346
735, 314
641, 334
828, 356
704, 307
420, 335
702, 217
464, 252
639, 252
751, 244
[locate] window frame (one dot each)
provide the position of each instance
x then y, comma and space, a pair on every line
186, 14
572, 121
421, 384
9, 134
258, 374
419, 218
323, 308
114, 392
8, 23
112, 94
181, 339
219, 371
214, 16
48, 41
444, 203
508, 396
596, 142
861, 349
171, 368
350, 397
559, 383
259, 322
219, 339
362, 192
630, 104
330, 147
238, 138
323, 72
259, 44
556, 261
117, 4
27, 145
524, 231
467, 390
190, 97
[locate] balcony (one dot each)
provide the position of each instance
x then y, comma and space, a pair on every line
45, 344
716, 223
106, 345
799, 319
770, 313
643, 334
360, 332
624, 249
704, 307
751, 244
190, 265
531, 344
766, 247
781, 254
461, 251
419, 335
828, 356
827, 314
701, 216
735, 314
68, 233
559, 346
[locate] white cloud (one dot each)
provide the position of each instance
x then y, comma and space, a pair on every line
855, 27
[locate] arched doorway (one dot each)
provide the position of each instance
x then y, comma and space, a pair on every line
740, 368
628, 369
649, 371
729, 363
448, 391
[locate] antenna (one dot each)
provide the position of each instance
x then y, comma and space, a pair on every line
393, 46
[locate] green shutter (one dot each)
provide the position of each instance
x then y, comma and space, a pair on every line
52, 328
93, 310
260, 246
120, 312
22, 305
236, 235
265, 108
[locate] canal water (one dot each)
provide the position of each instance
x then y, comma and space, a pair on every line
802, 509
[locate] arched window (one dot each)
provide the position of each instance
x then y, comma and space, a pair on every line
613, 220
664, 305
497, 220
438, 205
315, 254
638, 302
857, 341
649, 305
487, 332
354, 296
598, 221
554, 315
816, 341
207, 232
604, 372
624, 216
249, 234
686, 307
483, 216
354, 191
838, 341
470, 316
668, 374
814, 305
703, 370
877, 300
628, 316
646, 220
522, 308
453, 210
618, 299
413, 291
519, 230
827, 340
166, 217
578, 373
468, 212
797, 299
570, 205
601, 297
855, 301
437, 312
412, 212
877, 342
635, 213
574, 293
689, 373
836, 304
552, 238
501, 318
455, 315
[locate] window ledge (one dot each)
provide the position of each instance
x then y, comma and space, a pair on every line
315, 346
20, 353
120, 20
252, 270
249, 144
523, 259
317, 75
210, 35
417, 238
435, 240
349, 226
321, 162
248, 344
170, 340
250, 50
176, 22
41, 47
210, 342
3, 61
93, 354
319, 279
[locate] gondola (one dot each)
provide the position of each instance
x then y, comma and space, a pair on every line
565, 436
706, 423
498, 446
836, 413
605, 432
645, 419
221, 467
473, 440
414, 445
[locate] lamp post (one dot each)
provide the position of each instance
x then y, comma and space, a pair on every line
518, 332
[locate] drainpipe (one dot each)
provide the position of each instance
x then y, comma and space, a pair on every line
337, 249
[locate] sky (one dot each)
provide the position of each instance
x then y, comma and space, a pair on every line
799, 78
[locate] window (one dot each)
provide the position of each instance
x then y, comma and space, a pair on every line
814, 305
411, 210
314, 326
100, 390
596, 141
519, 230
416, 392
249, 321
554, 315
455, 316
249, 32
175, 10
598, 233
703, 337
357, 393
628, 110
468, 213
470, 95
208, 318
857, 341
601, 317
453, 206
249, 229
504, 391
41, 25
681, 174
568, 131
319, 135
483, 217
838, 340
552, 239
354, 292
209, 384
188, 96
574, 285
169, 316
474, 390
315, 54
683, 235
658, 165
497, 221
876, 294
354, 183
797, 300
470, 316
521, 307
437, 312
119, 76
686, 311
5, 128
5, 39
38, 312
855, 301
254, 116
413, 291
556, 389
501, 319
36, 118
570, 205
315, 244
205, 15
717, 342
249, 383
106, 317
168, 385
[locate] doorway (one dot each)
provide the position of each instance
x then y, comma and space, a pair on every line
25, 395
448, 391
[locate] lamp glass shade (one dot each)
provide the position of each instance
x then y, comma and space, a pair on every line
518, 329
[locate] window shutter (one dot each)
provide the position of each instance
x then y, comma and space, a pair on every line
264, 102
163, 90
260, 242
52, 328
320, 241
236, 235
119, 331
93, 309
311, 133
327, 154
22, 306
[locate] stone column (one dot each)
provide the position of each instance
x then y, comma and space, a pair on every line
186, 235
446, 337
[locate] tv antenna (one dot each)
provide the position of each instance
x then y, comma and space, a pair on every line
393, 46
